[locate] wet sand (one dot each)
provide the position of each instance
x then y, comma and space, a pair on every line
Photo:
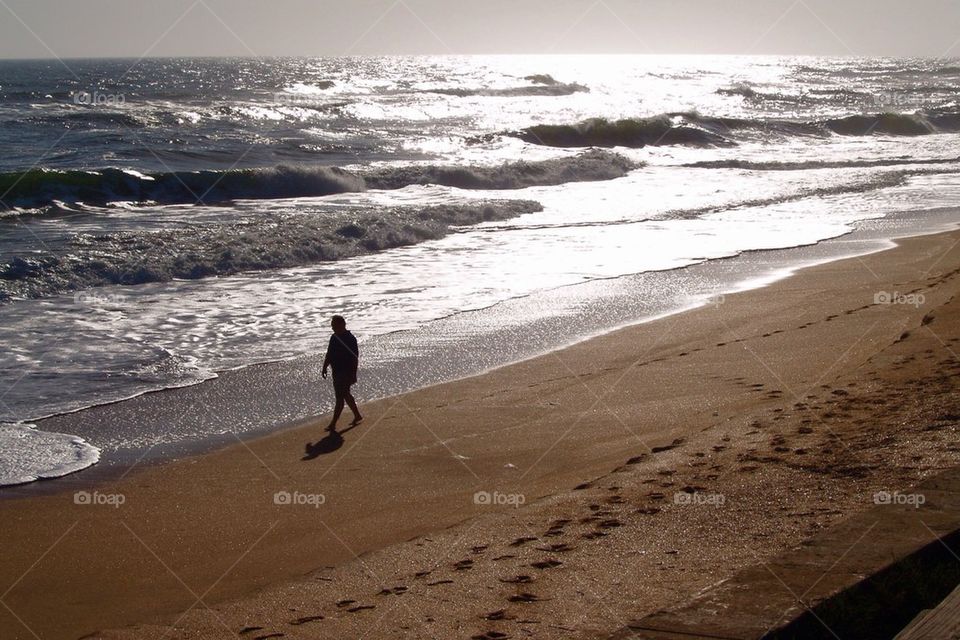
651, 462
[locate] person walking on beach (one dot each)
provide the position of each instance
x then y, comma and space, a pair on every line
344, 356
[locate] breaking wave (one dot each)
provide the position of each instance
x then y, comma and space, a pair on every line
638, 132
40, 188
131, 258
693, 129
590, 166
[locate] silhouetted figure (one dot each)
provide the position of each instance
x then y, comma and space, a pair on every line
344, 356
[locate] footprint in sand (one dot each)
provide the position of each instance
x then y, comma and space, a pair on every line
305, 620
490, 635
269, 635
556, 528
593, 535
524, 597
520, 579
395, 591
549, 563
439, 582
247, 630
648, 511
499, 614
522, 541
345, 603
463, 565
360, 607
673, 445
560, 547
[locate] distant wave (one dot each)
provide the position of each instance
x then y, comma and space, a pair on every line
541, 78
693, 129
802, 165
887, 123
311, 87
739, 89
892, 70
45, 187
131, 258
541, 84
551, 89
40, 188
638, 132
590, 166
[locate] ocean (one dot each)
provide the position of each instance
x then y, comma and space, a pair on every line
163, 221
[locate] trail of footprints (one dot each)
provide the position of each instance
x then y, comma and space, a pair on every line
601, 517
606, 514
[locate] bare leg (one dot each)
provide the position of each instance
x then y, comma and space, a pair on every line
337, 410
353, 407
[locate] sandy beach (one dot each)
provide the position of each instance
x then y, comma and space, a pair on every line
555, 498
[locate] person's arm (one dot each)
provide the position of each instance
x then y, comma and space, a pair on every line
326, 360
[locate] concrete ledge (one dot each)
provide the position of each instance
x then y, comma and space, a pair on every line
867, 577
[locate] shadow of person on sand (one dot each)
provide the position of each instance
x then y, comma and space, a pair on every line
330, 443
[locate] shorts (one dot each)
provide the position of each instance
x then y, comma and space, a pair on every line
342, 383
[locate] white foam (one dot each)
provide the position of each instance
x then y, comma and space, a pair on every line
28, 454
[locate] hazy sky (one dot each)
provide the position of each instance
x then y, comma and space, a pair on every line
81, 28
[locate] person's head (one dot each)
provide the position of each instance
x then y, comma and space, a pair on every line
338, 324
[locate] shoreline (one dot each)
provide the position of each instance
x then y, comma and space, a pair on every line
211, 523
866, 238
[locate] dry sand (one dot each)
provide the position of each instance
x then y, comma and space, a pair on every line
771, 415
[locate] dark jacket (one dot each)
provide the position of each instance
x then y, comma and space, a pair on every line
343, 355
